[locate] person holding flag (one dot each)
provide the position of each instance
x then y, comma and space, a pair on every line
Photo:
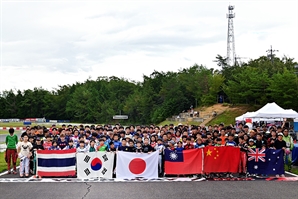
289, 147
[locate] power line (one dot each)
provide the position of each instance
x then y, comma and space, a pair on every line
270, 54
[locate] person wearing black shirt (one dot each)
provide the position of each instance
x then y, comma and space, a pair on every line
280, 143
260, 142
131, 147
147, 148
36, 146
123, 146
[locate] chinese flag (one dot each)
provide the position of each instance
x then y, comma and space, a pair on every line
221, 159
184, 162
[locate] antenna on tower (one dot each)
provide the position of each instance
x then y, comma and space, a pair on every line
230, 40
270, 54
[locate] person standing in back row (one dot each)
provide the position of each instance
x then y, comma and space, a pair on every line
11, 150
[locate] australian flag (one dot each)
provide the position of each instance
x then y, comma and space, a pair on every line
265, 161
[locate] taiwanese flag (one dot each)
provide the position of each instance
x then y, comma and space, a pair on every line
184, 162
221, 159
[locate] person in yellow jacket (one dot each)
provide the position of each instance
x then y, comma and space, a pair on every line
288, 152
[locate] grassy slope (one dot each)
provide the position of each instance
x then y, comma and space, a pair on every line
227, 117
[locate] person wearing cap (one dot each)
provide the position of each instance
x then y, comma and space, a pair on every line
11, 141
251, 144
171, 145
290, 145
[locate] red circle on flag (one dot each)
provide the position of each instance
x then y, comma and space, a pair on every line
137, 166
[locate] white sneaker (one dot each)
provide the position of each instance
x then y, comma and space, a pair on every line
277, 176
282, 175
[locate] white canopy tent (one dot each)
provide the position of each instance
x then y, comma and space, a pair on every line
269, 112
272, 110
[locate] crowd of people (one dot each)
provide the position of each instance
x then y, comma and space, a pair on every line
142, 139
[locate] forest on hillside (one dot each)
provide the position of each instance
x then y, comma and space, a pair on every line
161, 94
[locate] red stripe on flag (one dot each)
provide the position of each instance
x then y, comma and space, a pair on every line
54, 173
56, 151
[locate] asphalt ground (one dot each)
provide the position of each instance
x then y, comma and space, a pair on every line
148, 190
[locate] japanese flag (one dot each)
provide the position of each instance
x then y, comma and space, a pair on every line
132, 165
95, 165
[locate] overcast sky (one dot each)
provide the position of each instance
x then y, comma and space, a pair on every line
46, 44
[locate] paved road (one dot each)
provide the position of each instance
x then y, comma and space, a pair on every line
3, 136
147, 190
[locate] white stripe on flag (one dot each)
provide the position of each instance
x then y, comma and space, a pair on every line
53, 169
56, 156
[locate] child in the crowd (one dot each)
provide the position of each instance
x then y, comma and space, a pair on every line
24, 155
147, 148
184, 138
62, 142
188, 144
116, 141
11, 141
75, 138
153, 141
243, 156
36, 146
101, 145
192, 140
251, 144
131, 147
199, 144
92, 146
55, 135
112, 147
160, 148
231, 141
260, 142
47, 143
139, 148
218, 142
70, 145
54, 146
179, 146
82, 148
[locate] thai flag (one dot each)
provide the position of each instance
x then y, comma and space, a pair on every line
56, 162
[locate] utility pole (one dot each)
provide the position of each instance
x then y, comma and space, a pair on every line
270, 54
230, 40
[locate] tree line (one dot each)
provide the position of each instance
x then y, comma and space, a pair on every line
161, 94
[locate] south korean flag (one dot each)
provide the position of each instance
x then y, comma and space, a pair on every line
95, 165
